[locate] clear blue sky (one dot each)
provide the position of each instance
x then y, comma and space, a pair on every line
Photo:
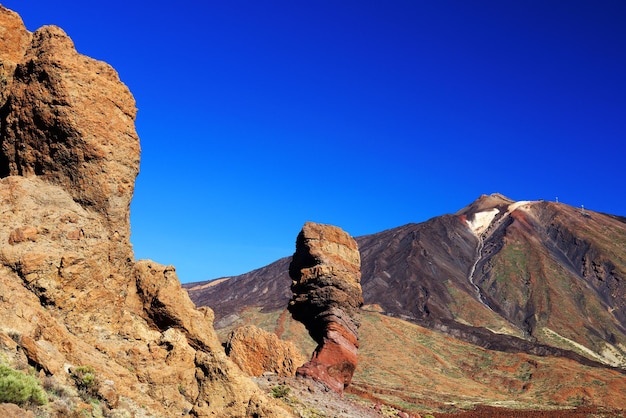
256, 116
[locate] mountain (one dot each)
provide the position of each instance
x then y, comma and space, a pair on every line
85, 329
528, 278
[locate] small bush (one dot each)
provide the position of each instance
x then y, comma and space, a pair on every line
53, 387
19, 388
280, 391
85, 379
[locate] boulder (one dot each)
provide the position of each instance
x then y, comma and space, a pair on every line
257, 351
12, 410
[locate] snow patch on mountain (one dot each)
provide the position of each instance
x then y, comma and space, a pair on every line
482, 220
523, 204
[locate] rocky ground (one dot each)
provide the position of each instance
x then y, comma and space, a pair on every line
307, 398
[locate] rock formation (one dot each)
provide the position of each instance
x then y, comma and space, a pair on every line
327, 295
257, 351
69, 120
71, 294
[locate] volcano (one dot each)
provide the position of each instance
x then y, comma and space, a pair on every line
532, 278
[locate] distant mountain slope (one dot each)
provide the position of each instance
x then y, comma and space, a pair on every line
536, 276
267, 287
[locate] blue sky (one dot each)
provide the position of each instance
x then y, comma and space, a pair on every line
256, 116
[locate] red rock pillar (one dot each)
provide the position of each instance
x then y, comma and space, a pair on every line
327, 296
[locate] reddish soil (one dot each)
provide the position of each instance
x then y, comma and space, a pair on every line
493, 412
280, 324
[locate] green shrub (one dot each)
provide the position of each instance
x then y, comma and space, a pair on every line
19, 388
280, 391
85, 379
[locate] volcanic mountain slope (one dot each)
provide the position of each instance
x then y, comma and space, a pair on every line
268, 288
529, 277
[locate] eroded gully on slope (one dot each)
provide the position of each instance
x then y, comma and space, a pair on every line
482, 236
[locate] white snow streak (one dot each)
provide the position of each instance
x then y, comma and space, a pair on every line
482, 220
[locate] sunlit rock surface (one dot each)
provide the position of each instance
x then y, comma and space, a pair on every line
71, 293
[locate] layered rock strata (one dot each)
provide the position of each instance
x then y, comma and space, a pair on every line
71, 293
326, 298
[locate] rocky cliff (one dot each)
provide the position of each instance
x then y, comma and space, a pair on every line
72, 297
325, 269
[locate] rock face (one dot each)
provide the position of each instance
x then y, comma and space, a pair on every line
257, 351
325, 269
69, 120
71, 293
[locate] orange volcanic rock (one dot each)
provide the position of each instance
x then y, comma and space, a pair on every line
327, 296
69, 120
257, 351
71, 293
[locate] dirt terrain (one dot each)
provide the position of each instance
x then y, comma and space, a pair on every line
487, 411
307, 398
